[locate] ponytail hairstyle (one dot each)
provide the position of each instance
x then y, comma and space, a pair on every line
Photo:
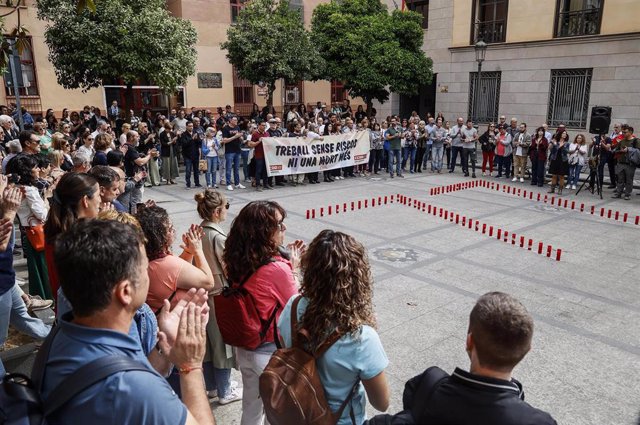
71, 188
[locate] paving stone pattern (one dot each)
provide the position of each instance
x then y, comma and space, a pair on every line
585, 363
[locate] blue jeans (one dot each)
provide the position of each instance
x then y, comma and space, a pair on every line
221, 379
454, 156
409, 153
504, 163
261, 172
233, 159
245, 163
395, 154
437, 153
191, 165
574, 174
212, 170
13, 310
428, 151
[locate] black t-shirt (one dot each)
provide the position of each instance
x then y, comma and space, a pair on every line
234, 146
130, 166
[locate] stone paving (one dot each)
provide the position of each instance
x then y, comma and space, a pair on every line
584, 367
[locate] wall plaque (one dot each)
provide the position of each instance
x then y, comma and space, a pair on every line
209, 80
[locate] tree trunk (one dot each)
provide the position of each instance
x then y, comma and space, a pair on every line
369, 103
271, 88
128, 102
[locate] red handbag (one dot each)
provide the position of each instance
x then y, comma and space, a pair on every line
35, 234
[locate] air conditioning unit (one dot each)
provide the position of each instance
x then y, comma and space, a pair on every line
292, 95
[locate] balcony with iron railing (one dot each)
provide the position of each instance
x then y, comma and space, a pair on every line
579, 22
490, 31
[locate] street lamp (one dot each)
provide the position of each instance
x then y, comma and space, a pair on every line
481, 49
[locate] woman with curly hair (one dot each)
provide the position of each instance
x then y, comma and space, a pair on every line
252, 255
170, 277
337, 291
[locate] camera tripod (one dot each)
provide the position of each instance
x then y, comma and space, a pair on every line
595, 177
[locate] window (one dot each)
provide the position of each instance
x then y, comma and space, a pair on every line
422, 7
242, 90
338, 93
489, 21
236, 6
569, 97
578, 17
29, 85
483, 106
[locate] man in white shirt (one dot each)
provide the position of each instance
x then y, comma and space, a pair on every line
469, 139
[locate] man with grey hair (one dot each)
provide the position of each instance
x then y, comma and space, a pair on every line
101, 128
14, 147
10, 133
81, 163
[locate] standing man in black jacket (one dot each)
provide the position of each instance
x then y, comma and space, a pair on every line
191, 148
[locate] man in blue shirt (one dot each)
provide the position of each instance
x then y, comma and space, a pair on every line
103, 270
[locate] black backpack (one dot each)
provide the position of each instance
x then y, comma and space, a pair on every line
20, 400
414, 402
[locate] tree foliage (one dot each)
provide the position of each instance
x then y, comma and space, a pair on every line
269, 42
371, 51
122, 39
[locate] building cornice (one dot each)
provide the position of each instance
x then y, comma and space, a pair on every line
560, 41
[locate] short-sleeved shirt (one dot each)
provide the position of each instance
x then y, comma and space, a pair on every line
345, 361
272, 284
394, 143
258, 152
130, 166
132, 397
231, 147
469, 135
163, 281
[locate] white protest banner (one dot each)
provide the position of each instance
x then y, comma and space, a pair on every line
299, 155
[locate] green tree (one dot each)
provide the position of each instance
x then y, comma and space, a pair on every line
123, 39
371, 51
269, 42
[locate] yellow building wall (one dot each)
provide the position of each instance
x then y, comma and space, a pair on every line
620, 16
52, 95
460, 34
530, 20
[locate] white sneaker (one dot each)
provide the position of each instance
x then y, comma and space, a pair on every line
484, 174
521, 180
514, 179
574, 187
229, 187
240, 186
235, 394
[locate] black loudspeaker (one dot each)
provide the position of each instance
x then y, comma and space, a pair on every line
600, 120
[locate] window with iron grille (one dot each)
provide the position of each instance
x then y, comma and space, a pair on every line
489, 21
338, 93
578, 17
421, 7
484, 105
242, 90
569, 97
236, 6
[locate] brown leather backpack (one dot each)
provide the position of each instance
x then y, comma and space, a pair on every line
290, 385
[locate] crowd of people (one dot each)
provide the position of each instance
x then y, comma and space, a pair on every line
105, 258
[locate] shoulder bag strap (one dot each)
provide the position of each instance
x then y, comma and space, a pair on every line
37, 371
87, 376
430, 382
294, 321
